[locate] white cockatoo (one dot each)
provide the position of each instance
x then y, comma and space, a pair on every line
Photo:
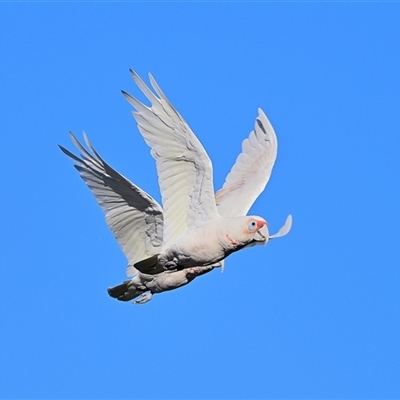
194, 228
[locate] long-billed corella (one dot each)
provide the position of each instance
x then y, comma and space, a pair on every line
195, 228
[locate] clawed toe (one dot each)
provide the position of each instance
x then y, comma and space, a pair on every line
144, 298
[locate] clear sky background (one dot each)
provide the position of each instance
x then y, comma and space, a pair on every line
314, 314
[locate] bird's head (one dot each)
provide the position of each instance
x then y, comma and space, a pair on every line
284, 230
247, 231
256, 230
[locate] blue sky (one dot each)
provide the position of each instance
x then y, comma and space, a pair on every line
312, 315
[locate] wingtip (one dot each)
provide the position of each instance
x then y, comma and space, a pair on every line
261, 126
63, 149
72, 136
69, 154
263, 116
132, 72
153, 81
136, 77
88, 144
263, 122
128, 97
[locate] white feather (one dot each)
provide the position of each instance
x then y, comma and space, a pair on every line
251, 172
134, 217
183, 166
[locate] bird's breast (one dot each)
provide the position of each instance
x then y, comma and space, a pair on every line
199, 247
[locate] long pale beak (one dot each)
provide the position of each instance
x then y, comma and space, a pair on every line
262, 234
261, 224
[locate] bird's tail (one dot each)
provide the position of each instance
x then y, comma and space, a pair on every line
149, 265
125, 291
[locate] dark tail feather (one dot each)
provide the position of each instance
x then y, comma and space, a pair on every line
124, 291
148, 265
118, 290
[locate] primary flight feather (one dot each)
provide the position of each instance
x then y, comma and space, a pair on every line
184, 169
194, 229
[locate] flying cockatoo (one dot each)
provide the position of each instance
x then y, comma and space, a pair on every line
195, 228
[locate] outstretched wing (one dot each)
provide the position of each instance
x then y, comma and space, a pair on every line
250, 174
183, 166
134, 217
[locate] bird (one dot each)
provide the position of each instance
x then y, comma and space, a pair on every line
195, 227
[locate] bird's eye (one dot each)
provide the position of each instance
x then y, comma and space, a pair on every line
252, 226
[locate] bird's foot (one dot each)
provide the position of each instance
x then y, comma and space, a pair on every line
144, 298
171, 266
